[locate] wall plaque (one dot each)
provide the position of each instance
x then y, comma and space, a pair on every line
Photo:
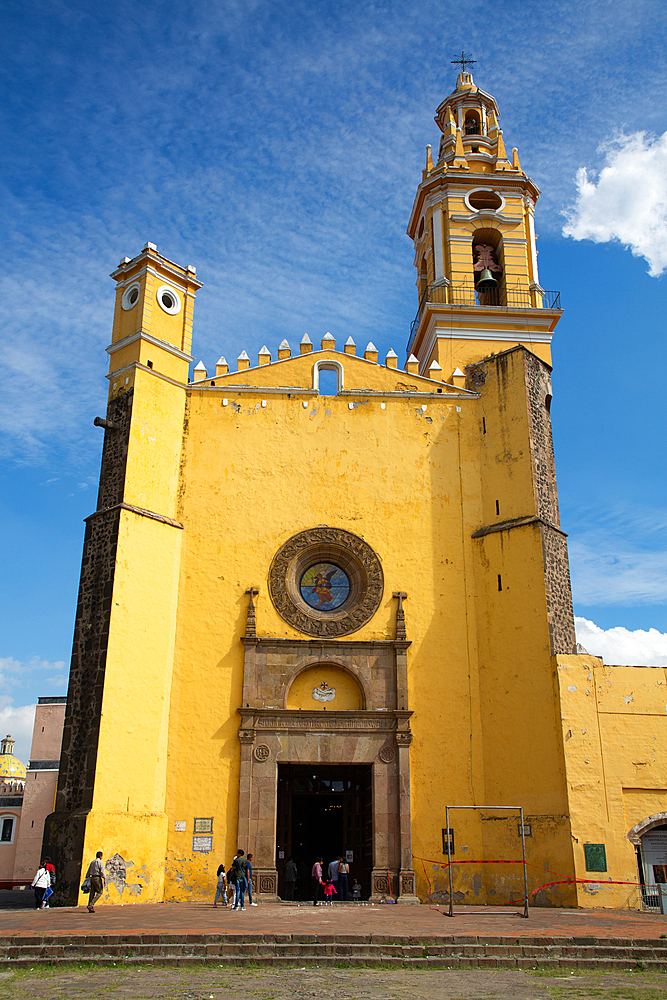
203, 824
204, 845
179, 826
596, 857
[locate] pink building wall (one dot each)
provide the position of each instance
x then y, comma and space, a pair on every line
40, 784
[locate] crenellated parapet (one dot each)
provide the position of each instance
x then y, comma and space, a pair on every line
356, 372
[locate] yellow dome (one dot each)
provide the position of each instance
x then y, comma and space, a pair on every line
10, 766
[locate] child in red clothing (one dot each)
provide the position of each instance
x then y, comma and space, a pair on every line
328, 892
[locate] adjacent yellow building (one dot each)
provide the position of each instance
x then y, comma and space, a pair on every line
308, 622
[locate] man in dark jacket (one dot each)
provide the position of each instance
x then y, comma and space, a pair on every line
240, 869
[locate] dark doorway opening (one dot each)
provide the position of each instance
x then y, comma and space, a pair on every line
325, 810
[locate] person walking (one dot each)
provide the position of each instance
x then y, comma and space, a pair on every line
250, 857
52, 872
316, 879
221, 888
290, 878
343, 873
98, 879
240, 869
40, 883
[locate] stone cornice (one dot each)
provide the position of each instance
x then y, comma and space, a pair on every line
317, 643
150, 339
135, 510
517, 522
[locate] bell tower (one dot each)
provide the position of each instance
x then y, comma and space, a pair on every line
474, 235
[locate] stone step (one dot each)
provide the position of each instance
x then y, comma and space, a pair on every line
294, 950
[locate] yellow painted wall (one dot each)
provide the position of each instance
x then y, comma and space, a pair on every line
615, 736
128, 813
253, 475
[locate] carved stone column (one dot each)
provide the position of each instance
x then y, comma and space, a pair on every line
406, 892
246, 739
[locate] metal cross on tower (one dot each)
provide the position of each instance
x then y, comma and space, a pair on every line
464, 61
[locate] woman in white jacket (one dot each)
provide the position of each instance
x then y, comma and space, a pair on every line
40, 883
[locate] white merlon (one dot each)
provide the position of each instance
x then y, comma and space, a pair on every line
265, 350
221, 360
150, 246
458, 374
306, 339
412, 360
435, 367
350, 343
200, 367
125, 260
391, 353
283, 345
328, 336
370, 346
191, 268
243, 357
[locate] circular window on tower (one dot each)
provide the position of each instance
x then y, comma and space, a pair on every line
484, 199
326, 582
169, 299
131, 295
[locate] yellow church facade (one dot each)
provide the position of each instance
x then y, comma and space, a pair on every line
311, 622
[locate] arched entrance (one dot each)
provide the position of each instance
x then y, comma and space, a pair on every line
325, 726
650, 840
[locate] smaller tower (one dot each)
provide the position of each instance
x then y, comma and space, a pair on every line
474, 235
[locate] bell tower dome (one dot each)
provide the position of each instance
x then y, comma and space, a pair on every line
474, 235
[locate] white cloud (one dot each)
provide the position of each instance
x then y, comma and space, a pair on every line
18, 721
628, 202
618, 554
619, 645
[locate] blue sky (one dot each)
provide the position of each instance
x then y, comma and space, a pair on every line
278, 147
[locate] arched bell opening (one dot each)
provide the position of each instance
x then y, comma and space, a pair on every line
488, 269
472, 122
423, 277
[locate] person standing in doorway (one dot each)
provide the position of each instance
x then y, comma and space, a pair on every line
316, 880
98, 879
343, 872
332, 873
290, 878
40, 883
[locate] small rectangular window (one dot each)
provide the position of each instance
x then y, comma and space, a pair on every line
484, 425
7, 828
500, 582
497, 508
445, 834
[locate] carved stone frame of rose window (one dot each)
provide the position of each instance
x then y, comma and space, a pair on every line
378, 735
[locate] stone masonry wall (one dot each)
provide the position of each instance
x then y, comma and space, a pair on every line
554, 544
538, 392
64, 829
558, 591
